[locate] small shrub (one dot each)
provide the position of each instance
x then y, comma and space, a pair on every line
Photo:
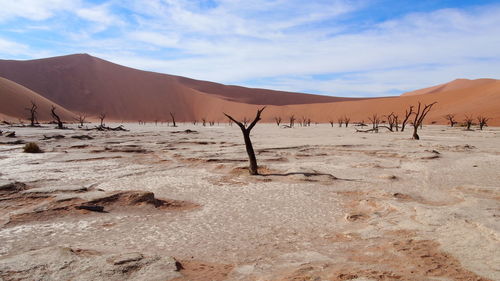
32, 147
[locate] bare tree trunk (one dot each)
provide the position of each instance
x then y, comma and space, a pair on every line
415, 135
101, 117
482, 121
252, 168
56, 117
292, 121
173, 119
419, 118
408, 113
33, 114
277, 120
468, 121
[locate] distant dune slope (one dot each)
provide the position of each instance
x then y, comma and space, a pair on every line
15, 98
83, 83
453, 85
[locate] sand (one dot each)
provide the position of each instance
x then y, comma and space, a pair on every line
82, 83
331, 204
15, 99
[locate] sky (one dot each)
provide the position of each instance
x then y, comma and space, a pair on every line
356, 48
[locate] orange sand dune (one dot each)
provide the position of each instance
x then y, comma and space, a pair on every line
87, 84
453, 85
482, 99
16, 98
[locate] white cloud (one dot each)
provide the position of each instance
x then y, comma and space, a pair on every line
286, 42
155, 38
12, 48
33, 9
101, 15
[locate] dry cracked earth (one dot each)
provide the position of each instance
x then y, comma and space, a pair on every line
163, 203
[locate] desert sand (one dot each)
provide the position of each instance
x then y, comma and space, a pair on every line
178, 204
16, 99
85, 84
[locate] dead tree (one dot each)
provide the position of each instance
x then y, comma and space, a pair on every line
253, 168
346, 121
451, 119
304, 121
101, 117
292, 121
204, 122
482, 121
81, 119
468, 121
408, 113
33, 114
391, 121
56, 117
194, 122
340, 120
277, 120
173, 119
245, 121
394, 121
375, 120
308, 122
331, 122
419, 117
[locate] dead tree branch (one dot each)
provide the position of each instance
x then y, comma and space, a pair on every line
253, 168
56, 117
482, 121
419, 118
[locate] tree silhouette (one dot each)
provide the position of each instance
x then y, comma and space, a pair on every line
56, 117
33, 114
277, 120
419, 118
482, 121
253, 168
173, 119
408, 113
451, 119
468, 121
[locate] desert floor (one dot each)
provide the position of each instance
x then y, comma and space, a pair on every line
331, 204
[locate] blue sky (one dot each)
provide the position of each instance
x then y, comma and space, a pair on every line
336, 47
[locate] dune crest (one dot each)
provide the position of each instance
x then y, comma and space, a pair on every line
83, 83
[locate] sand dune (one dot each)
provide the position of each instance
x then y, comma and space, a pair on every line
16, 98
88, 84
453, 85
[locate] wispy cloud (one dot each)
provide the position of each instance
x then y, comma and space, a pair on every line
316, 46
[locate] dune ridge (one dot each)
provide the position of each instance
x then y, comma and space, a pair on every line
83, 83
16, 98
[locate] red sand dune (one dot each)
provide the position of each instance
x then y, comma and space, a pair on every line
453, 85
16, 98
87, 84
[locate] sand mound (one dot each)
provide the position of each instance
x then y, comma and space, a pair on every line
83, 83
64, 263
21, 203
16, 98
